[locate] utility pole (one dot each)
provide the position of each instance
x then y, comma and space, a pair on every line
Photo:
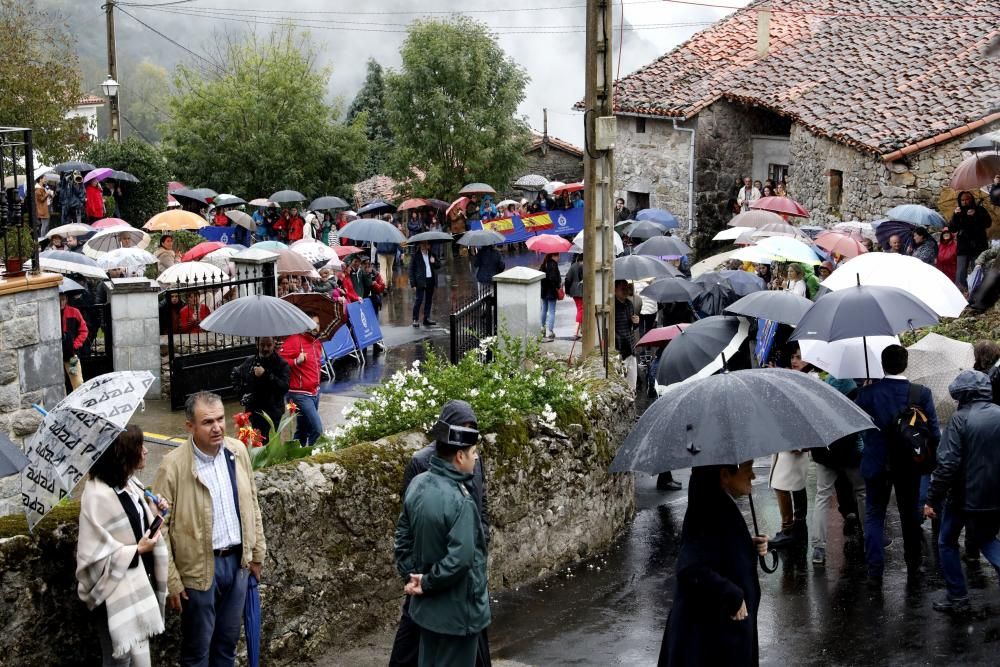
116, 121
599, 130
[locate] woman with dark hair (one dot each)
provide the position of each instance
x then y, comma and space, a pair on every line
121, 564
969, 222
713, 620
987, 360
550, 295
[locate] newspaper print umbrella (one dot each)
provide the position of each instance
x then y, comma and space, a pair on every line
74, 434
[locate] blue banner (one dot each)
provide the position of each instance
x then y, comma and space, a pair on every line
766, 330
220, 234
364, 324
568, 222
341, 345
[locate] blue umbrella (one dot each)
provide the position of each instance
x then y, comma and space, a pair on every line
887, 228
251, 622
376, 206
659, 216
915, 214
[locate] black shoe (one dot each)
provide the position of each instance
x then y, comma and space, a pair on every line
666, 482
800, 533
956, 606
852, 525
782, 539
874, 582
429, 323
416, 325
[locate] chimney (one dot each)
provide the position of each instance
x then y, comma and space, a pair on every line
763, 30
545, 131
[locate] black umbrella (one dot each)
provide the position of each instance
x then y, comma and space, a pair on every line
123, 177
637, 267
287, 197
189, 194
743, 282
704, 348
372, 230
671, 290
228, 200
663, 246
983, 143
645, 229
376, 206
326, 203
73, 165
717, 293
429, 236
784, 307
257, 315
477, 189
863, 310
439, 204
12, 459
478, 238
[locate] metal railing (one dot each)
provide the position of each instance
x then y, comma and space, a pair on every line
472, 323
18, 217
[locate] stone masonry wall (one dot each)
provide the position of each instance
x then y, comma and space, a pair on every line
329, 578
136, 329
653, 162
556, 165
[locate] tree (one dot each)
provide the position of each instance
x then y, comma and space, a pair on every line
145, 101
263, 123
40, 79
142, 200
370, 101
452, 107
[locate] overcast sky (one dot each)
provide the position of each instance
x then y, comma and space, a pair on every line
544, 36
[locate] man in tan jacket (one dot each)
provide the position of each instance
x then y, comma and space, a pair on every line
214, 533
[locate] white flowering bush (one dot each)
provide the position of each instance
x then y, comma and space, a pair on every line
518, 381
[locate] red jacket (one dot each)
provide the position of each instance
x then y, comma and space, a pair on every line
95, 202
305, 376
295, 228
78, 326
188, 323
947, 259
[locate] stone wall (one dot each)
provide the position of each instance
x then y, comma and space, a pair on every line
329, 578
136, 328
31, 369
654, 162
556, 165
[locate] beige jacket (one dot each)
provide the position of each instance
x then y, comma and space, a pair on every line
189, 526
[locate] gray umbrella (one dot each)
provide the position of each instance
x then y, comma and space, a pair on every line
242, 219
228, 200
645, 229
64, 261
672, 290
326, 203
123, 177
287, 197
984, 143
783, 307
430, 236
477, 238
12, 459
73, 165
257, 315
754, 413
68, 285
663, 246
636, 267
863, 310
372, 230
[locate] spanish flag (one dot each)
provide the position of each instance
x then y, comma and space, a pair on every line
502, 225
537, 222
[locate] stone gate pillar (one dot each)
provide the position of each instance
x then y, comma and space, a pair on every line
135, 331
519, 302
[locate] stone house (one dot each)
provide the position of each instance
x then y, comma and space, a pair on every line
553, 158
858, 105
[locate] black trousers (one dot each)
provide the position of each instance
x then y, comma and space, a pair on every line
406, 645
424, 296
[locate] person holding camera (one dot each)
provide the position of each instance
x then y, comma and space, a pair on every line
73, 197
121, 562
261, 382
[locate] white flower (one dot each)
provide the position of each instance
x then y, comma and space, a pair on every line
541, 381
501, 393
416, 363
473, 392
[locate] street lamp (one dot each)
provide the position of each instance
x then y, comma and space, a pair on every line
110, 88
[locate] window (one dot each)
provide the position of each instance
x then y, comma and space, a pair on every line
640, 126
637, 201
836, 191
777, 173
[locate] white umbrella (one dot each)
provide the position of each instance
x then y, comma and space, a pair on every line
109, 239
505, 203
934, 361
845, 358
731, 233
907, 273
864, 228
751, 253
715, 261
313, 250
191, 272
72, 229
783, 248
616, 239
125, 258
552, 185
64, 261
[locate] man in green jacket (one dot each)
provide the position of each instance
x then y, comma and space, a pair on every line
441, 552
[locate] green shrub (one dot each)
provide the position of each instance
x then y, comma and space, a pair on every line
142, 200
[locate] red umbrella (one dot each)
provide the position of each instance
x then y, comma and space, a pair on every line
754, 218
345, 250
840, 243
780, 205
662, 335
458, 204
975, 172
200, 250
568, 188
108, 222
548, 243
412, 203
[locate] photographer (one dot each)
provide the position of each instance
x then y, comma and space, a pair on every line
73, 197
261, 382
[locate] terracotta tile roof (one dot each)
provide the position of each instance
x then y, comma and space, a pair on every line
558, 144
861, 72
91, 100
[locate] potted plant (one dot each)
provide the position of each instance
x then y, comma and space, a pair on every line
18, 246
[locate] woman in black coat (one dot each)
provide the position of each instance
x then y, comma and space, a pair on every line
969, 223
713, 620
550, 294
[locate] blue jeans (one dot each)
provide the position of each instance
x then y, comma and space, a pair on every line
877, 492
952, 522
211, 620
308, 425
549, 308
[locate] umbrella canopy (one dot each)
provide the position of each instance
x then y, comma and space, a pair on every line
228, 200
171, 221
753, 254
915, 214
72, 229
257, 315
786, 249
64, 261
328, 311
430, 236
261, 202
551, 186
201, 250
863, 310
68, 285
293, 264
974, 172
731, 233
840, 243
636, 267
375, 207
205, 194
934, 361
848, 357
123, 177
672, 290
478, 238
438, 204
287, 197
780, 229
645, 229
885, 229
866, 229
223, 256
125, 258
271, 246
754, 413
615, 239
12, 459
104, 223
783, 307
411, 204
73, 165
372, 230
568, 188
781, 206
903, 272
327, 203
713, 262
191, 272
110, 238
702, 349
664, 218
743, 282
477, 189
717, 293
533, 182
662, 335
198, 196
313, 251
755, 218
345, 250
506, 203
98, 174
986, 142
548, 243
457, 205
242, 219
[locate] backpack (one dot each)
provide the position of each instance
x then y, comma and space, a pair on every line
910, 434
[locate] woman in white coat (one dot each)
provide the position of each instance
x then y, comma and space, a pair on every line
788, 474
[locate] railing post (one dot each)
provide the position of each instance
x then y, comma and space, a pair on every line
453, 327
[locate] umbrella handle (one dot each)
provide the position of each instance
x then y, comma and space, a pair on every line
771, 566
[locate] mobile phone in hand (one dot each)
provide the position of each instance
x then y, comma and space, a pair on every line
155, 526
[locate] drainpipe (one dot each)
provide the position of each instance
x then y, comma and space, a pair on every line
690, 173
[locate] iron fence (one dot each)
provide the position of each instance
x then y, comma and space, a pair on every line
18, 217
472, 323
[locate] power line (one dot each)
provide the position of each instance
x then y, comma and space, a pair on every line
160, 4
421, 12
172, 41
137, 130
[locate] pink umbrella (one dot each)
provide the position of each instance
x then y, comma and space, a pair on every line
173, 185
781, 206
98, 174
840, 243
548, 243
753, 218
200, 250
974, 172
109, 222
662, 335
458, 204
